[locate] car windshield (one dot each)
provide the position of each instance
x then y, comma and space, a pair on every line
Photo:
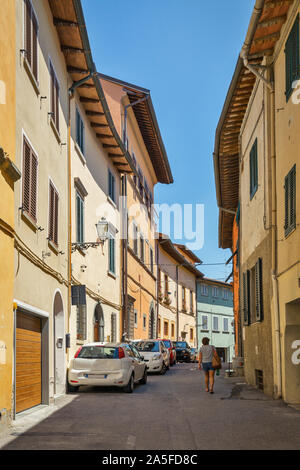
98, 352
181, 344
167, 343
148, 346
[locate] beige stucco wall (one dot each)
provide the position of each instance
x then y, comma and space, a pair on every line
38, 278
288, 248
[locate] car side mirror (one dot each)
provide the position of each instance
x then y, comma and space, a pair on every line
142, 358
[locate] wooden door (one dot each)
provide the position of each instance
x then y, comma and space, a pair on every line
28, 362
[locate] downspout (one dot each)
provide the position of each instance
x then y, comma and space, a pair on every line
177, 306
259, 5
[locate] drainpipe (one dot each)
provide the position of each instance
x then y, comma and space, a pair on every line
177, 306
259, 5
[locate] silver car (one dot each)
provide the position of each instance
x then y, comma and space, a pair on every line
155, 354
107, 364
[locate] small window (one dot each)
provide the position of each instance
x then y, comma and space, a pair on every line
54, 87
30, 167
112, 261
204, 325
225, 294
158, 326
290, 201
151, 260
215, 324
31, 38
172, 330
204, 290
166, 328
135, 319
79, 218
53, 215
292, 59
253, 170
81, 322
144, 321
111, 186
215, 292
79, 132
225, 325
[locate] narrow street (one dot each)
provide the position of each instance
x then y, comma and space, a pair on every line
172, 412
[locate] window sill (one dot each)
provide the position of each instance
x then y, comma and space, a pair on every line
55, 130
111, 274
225, 332
111, 202
81, 156
33, 80
53, 247
204, 331
29, 221
214, 331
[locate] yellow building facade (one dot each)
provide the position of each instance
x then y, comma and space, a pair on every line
8, 175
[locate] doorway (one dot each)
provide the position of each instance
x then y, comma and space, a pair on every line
98, 324
59, 345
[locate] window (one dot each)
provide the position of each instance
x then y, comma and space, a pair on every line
30, 165
292, 59
111, 186
166, 286
215, 324
225, 294
225, 325
215, 292
191, 302
79, 132
166, 328
113, 327
31, 38
204, 290
112, 261
53, 215
135, 239
253, 294
54, 93
172, 330
151, 260
142, 253
191, 334
204, 323
81, 322
135, 318
144, 321
158, 326
79, 218
290, 201
183, 299
253, 170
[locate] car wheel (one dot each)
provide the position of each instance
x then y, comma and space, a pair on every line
143, 381
130, 386
72, 388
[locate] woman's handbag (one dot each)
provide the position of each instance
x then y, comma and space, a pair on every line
216, 363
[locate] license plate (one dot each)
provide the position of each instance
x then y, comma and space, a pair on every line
95, 376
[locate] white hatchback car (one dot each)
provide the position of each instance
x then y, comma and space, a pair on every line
107, 364
155, 354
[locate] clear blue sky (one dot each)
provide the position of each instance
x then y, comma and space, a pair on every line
185, 52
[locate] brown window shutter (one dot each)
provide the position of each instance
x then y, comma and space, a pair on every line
26, 177
57, 105
33, 191
51, 212
55, 227
52, 92
34, 46
28, 34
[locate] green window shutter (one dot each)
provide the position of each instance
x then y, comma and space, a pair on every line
112, 268
246, 297
80, 218
292, 58
253, 170
290, 201
258, 291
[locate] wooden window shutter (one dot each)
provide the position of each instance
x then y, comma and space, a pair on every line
34, 46
258, 291
290, 201
292, 60
26, 177
246, 297
51, 212
28, 33
33, 195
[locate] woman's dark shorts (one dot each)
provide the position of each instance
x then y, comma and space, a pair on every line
207, 366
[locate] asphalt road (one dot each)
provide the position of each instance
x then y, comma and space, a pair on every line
171, 412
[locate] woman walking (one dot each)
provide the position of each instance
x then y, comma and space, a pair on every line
206, 354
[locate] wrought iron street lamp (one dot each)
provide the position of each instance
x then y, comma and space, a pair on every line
105, 230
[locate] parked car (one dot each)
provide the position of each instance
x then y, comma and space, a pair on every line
155, 354
194, 355
107, 364
183, 351
170, 346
